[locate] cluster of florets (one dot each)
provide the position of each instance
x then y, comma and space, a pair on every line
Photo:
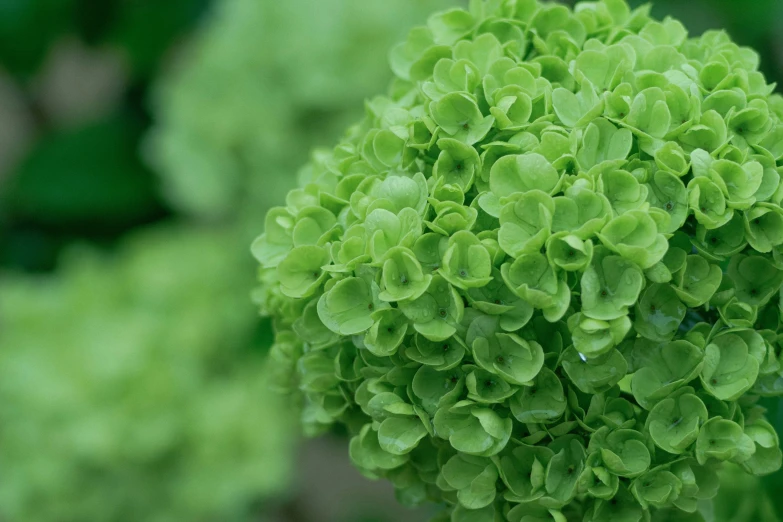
540, 281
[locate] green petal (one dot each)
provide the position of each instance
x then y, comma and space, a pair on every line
594, 375
543, 402
674, 422
466, 262
659, 313
402, 277
458, 115
436, 312
400, 435
387, 332
723, 440
635, 236
525, 223
347, 308
569, 252
610, 285
729, 368
475, 479
661, 368
301, 272
522, 173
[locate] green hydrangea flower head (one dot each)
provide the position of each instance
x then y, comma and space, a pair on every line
541, 280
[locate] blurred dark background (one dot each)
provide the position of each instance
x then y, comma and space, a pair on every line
75, 84
101, 110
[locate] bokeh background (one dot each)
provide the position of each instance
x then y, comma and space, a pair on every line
141, 142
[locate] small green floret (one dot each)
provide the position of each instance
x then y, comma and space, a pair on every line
541, 280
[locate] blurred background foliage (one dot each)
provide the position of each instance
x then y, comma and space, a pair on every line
141, 142
133, 387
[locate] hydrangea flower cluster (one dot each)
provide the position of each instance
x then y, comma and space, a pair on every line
540, 281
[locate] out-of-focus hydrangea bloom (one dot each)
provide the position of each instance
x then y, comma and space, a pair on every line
131, 391
262, 84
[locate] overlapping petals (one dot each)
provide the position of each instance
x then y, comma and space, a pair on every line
538, 280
